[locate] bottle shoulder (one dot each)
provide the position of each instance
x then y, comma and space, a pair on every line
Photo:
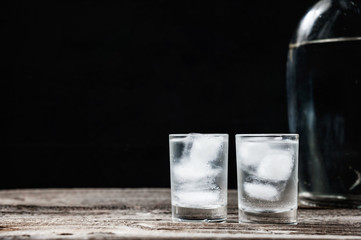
330, 19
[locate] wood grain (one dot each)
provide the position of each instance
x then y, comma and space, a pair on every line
146, 214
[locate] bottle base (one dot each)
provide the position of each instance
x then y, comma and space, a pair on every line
186, 214
339, 201
268, 217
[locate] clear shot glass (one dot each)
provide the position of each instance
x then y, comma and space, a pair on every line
267, 172
198, 166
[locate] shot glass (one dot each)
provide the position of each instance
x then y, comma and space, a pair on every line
267, 171
198, 166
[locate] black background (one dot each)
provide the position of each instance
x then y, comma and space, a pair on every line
91, 89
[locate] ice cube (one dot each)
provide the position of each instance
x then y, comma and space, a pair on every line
276, 166
261, 191
193, 170
186, 171
197, 198
251, 153
205, 149
205, 184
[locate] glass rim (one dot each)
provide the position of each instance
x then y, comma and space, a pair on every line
268, 135
199, 134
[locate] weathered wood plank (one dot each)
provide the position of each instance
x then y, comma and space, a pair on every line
146, 214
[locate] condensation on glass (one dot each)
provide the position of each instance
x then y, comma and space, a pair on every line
267, 177
199, 165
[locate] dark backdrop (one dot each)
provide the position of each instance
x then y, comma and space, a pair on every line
91, 89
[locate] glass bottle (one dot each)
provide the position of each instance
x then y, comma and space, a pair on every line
324, 103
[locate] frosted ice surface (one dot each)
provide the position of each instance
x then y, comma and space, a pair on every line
197, 198
187, 171
277, 165
251, 153
261, 191
191, 170
205, 149
198, 165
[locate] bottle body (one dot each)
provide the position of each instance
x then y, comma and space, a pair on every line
324, 100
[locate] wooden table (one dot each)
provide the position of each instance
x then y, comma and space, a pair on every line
146, 214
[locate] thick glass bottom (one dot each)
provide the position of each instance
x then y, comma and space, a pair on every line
271, 217
320, 200
185, 214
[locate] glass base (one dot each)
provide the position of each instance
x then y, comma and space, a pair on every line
185, 214
284, 217
340, 201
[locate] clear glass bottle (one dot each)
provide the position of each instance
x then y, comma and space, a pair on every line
324, 103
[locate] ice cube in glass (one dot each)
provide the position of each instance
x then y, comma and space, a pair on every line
198, 164
267, 166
